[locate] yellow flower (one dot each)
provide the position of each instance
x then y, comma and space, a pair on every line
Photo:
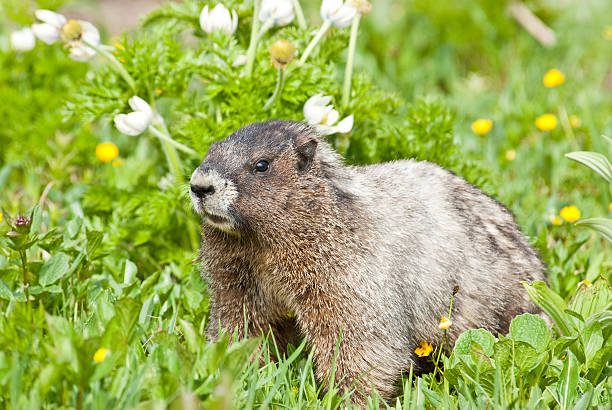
510, 155
106, 151
1, 214
158, 91
117, 163
546, 122
608, 33
424, 349
610, 206
482, 126
100, 355
575, 121
570, 213
553, 78
119, 46
585, 282
555, 220
445, 323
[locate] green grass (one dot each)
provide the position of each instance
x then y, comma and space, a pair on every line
107, 256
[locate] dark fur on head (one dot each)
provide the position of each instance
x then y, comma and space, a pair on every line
372, 253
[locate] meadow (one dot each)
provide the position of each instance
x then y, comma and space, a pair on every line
101, 303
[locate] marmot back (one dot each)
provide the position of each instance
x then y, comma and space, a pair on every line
372, 253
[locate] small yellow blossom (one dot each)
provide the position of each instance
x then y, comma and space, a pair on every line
585, 282
122, 60
510, 155
570, 213
119, 46
608, 33
555, 220
445, 323
100, 355
482, 126
117, 162
158, 91
553, 78
575, 121
1, 216
106, 151
424, 349
610, 206
546, 122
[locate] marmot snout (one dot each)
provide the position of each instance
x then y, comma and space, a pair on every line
369, 253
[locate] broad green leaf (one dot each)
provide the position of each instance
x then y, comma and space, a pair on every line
589, 300
552, 304
592, 338
599, 361
190, 335
568, 380
5, 292
54, 269
532, 330
561, 344
594, 160
129, 272
603, 226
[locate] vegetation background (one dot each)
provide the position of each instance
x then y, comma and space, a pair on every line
100, 304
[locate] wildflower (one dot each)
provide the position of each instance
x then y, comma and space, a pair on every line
585, 282
106, 151
610, 206
553, 78
279, 12
546, 122
575, 121
117, 162
218, 18
23, 40
282, 53
322, 115
0, 216
482, 126
119, 46
570, 213
555, 220
424, 349
607, 34
510, 155
77, 34
445, 323
158, 91
338, 12
100, 355
136, 122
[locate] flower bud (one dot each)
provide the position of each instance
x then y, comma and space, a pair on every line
338, 12
218, 18
282, 53
280, 12
23, 40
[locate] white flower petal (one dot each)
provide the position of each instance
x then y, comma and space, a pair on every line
140, 105
328, 7
318, 100
218, 18
133, 124
23, 40
89, 33
50, 17
332, 116
279, 11
338, 13
314, 114
80, 52
46, 32
204, 20
346, 124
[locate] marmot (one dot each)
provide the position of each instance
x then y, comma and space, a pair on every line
367, 254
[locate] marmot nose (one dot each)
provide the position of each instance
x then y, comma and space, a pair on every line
202, 191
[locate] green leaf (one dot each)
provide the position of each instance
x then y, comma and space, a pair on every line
552, 304
5, 292
532, 330
599, 361
592, 338
603, 226
54, 269
483, 337
568, 380
594, 160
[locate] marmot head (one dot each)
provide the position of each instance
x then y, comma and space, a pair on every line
264, 178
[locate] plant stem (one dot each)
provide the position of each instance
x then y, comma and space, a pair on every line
348, 73
166, 138
253, 42
24, 268
324, 27
265, 27
115, 63
279, 88
300, 14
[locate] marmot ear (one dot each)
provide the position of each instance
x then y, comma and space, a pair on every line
305, 149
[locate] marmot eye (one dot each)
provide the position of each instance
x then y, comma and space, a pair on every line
261, 166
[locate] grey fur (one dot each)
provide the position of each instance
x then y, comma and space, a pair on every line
372, 252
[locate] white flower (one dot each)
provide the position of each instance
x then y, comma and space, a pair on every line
50, 30
280, 12
136, 122
338, 12
74, 32
89, 34
23, 40
319, 113
218, 19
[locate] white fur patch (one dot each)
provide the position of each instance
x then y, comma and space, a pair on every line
217, 204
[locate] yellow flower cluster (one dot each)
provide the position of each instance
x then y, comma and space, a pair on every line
570, 213
482, 126
106, 151
553, 78
546, 122
100, 355
424, 349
